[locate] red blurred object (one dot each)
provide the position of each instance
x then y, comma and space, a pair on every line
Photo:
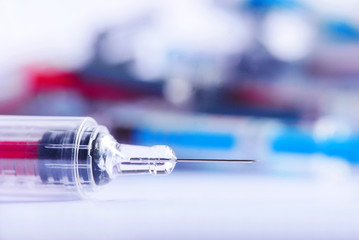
50, 80
267, 95
39, 80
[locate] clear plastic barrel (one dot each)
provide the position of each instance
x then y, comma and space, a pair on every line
64, 157
46, 156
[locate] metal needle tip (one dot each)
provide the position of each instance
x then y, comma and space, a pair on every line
214, 160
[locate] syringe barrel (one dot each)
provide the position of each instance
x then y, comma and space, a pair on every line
46, 156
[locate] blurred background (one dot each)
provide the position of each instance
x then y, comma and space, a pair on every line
271, 80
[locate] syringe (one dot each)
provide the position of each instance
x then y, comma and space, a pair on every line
72, 155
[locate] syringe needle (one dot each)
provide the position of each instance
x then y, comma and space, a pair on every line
213, 160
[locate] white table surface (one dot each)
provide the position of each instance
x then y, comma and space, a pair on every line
194, 206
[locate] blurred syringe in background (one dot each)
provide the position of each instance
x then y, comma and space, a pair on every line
325, 148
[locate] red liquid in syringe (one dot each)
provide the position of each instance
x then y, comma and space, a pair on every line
19, 158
